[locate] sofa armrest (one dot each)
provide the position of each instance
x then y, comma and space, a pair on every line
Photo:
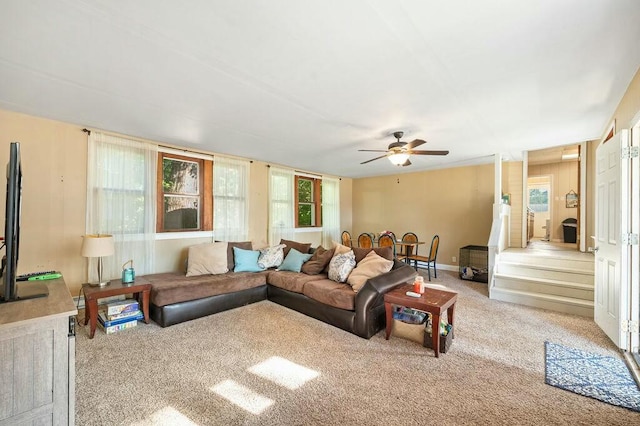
371, 295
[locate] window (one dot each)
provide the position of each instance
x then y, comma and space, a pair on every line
539, 199
231, 196
184, 193
121, 200
308, 202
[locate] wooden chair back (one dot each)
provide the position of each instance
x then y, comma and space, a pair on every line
346, 239
365, 240
409, 237
433, 252
387, 240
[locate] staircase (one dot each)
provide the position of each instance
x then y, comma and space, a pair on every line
557, 280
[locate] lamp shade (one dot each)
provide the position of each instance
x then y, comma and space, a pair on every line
399, 158
97, 245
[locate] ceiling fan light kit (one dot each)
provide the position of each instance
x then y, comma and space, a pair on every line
399, 152
399, 158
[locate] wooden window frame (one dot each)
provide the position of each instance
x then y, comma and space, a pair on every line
206, 193
317, 201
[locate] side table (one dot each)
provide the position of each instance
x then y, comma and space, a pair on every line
432, 301
141, 288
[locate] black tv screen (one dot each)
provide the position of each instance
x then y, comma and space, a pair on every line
10, 292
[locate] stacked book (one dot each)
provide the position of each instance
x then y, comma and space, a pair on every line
120, 315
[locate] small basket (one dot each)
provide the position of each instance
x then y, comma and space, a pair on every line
445, 341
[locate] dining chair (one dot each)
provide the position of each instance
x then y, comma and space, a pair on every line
365, 240
393, 234
387, 240
408, 237
430, 259
346, 239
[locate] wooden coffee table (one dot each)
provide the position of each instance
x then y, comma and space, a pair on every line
141, 288
433, 301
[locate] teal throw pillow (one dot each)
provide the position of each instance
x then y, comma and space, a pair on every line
246, 260
293, 261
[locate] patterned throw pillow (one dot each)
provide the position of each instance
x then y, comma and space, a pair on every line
341, 266
271, 256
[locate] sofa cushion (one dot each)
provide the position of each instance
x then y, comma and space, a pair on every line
331, 293
246, 260
245, 245
174, 287
371, 266
207, 258
271, 256
341, 266
301, 247
318, 262
293, 261
291, 281
385, 252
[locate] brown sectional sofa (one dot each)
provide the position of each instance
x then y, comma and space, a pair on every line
176, 298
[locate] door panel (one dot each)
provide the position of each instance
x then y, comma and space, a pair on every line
611, 257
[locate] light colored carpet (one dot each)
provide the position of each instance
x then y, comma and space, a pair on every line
284, 368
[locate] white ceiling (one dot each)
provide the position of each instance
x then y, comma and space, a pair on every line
308, 83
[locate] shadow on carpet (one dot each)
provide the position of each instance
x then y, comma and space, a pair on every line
604, 378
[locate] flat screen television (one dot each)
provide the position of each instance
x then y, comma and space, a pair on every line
11, 291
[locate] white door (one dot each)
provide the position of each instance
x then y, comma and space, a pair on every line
612, 256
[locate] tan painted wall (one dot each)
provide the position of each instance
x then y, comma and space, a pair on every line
54, 162
454, 203
54, 158
628, 107
564, 177
512, 175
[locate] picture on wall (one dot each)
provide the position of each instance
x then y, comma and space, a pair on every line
572, 199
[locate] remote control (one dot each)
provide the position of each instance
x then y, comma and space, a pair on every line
412, 294
52, 276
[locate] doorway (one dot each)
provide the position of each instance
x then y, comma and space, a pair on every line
539, 201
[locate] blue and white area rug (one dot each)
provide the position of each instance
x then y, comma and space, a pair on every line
601, 377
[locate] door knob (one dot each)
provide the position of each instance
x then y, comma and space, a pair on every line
596, 248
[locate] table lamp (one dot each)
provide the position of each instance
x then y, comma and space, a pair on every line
99, 245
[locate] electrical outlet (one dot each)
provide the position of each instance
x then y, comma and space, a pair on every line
590, 249
453, 259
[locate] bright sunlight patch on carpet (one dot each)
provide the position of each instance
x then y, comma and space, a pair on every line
600, 377
243, 397
284, 372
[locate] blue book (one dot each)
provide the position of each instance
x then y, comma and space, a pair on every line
102, 317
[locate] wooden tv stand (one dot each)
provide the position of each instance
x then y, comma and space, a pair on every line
37, 366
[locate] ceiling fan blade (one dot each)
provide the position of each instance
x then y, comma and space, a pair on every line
377, 158
406, 163
372, 150
414, 143
428, 152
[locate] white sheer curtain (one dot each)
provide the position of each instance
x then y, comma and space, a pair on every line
121, 201
330, 211
231, 199
281, 205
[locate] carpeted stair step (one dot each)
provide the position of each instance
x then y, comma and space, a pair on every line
564, 304
544, 286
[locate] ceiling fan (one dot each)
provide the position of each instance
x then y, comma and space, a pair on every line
399, 152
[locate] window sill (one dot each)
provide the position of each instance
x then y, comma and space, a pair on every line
310, 229
183, 235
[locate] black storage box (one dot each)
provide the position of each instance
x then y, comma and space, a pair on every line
474, 263
445, 341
